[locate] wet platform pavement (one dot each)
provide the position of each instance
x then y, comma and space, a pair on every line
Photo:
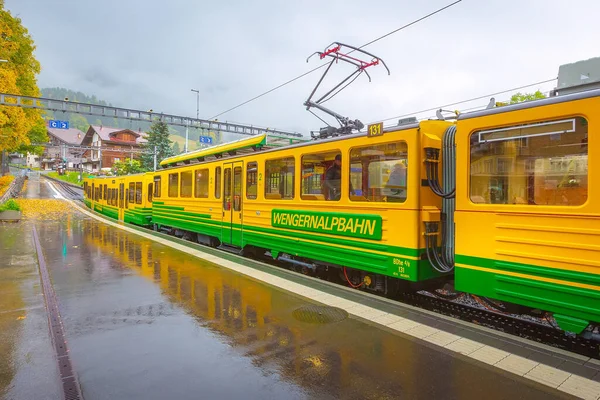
145, 321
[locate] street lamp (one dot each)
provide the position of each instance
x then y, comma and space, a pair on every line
197, 116
197, 102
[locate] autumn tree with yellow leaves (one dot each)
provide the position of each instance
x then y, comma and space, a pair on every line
18, 126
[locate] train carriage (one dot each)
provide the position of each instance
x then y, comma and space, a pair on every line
281, 200
124, 198
527, 211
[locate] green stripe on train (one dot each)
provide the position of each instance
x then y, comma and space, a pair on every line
319, 247
137, 218
573, 306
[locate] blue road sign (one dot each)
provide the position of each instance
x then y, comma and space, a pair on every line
206, 139
54, 123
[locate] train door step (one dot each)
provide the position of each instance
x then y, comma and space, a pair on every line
230, 249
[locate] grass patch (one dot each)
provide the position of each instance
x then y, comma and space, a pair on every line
71, 177
10, 205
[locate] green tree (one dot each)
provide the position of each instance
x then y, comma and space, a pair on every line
521, 97
17, 76
38, 134
158, 136
176, 149
79, 122
127, 167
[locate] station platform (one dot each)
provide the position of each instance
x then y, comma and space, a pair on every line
150, 316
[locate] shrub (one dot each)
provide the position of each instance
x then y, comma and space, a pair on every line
10, 205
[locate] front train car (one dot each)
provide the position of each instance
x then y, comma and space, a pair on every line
527, 211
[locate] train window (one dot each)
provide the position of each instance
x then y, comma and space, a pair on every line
105, 192
251, 180
218, 182
173, 184
542, 163
201, 189
150, 188
227, 189
138, 193
379, 172
237, 188
132, 192
321, 176
186, 184
279, 178
157, 186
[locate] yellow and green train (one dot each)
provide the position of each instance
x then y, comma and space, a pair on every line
496, 203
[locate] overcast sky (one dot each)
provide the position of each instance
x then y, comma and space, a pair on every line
148, 54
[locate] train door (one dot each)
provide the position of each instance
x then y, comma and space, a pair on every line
121, 201
231, 232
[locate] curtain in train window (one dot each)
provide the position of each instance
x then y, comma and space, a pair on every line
543, 163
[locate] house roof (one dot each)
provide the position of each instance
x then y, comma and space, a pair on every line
70, 136
109, 134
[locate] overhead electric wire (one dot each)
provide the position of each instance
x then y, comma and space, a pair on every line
323, 65
466, 101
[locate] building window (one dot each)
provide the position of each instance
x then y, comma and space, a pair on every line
251, 180
279, 178
173, 184
186, 184
321, 176
201, 190
157, 186
218, 182
378, 173
138, 193
543, 163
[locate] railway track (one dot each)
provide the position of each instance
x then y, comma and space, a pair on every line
525, 328
67, 190
535, 329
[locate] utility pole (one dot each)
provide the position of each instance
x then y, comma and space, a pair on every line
185, 146
197, 117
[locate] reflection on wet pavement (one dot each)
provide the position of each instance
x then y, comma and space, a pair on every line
28, 369
146, 321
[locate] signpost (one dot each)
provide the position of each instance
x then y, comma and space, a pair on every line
56, 124
206, 139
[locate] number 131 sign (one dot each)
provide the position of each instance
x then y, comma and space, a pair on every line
375, 129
